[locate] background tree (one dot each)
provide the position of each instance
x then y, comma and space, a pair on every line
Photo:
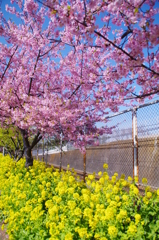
11, 140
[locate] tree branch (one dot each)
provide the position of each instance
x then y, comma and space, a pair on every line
126, 53
33, 73
25, 138
13, 142
9, 63
74, 92
20, 155
36, 139
41, 55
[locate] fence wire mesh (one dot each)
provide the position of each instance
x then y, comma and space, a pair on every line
118, 148
148, 144
115, 149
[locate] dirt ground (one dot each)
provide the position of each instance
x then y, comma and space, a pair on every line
3, 235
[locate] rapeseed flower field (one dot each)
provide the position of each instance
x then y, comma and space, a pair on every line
42, 203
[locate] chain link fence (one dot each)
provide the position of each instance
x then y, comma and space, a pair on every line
115, 149
132, 148
148, 143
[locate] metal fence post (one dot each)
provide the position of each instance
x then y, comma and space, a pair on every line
47, 150
60, 151
84, 166
43, 151
135, 144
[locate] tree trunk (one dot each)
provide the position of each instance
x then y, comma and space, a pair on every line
28, 147
19, 155
28, 157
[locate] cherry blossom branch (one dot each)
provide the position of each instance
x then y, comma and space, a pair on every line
18, 101
42, 55
142, 3
33, 72
9, 63
44, 4
142, 96
126, 53
60, 41
78, 87
85, 9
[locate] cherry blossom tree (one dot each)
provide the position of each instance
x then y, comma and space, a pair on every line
69, 62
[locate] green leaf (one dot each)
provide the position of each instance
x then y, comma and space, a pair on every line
136, 10
152, 213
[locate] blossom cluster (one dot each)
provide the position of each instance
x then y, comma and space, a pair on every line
42, 203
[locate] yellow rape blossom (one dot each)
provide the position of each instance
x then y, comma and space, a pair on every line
136, 190
113, 179
66, 207
148, 194
68, 236
130, 179
97, 236
105, 165
137, 218
144, 181
2, 227
122, 214
77, 211
82, 232
132, 229
125, 197
71, 204
100, 173
112, 231
76, 195
91, 176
